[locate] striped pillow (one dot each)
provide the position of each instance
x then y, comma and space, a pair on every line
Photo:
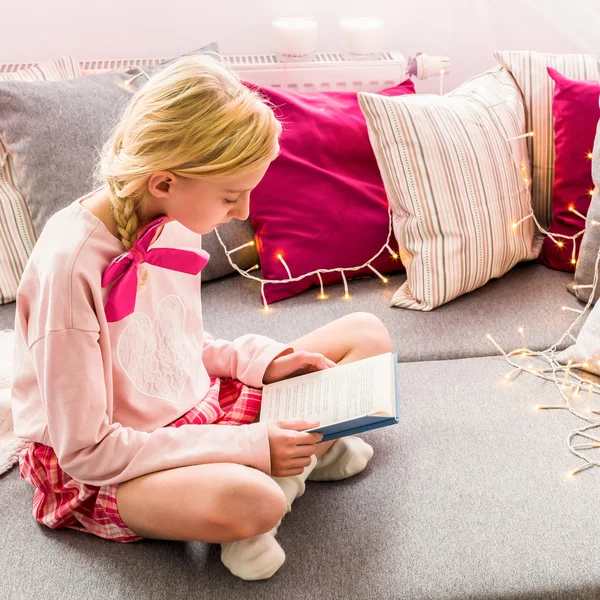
455, 185
17, 235
529, 70
54, 70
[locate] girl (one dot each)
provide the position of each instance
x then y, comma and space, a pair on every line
113, 371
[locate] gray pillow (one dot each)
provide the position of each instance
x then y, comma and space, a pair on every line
590, 244
53, 132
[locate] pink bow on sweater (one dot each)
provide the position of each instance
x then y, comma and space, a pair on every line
123, 270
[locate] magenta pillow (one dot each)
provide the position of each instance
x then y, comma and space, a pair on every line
321, 203
576, 114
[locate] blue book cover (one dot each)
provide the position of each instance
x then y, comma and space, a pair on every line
279, 403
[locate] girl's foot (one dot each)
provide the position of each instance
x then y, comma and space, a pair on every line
346, 458
258, 557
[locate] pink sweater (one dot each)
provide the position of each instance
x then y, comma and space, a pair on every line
100, 393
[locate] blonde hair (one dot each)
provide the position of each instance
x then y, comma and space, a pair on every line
194, 118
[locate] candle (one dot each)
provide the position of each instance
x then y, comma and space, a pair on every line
295, 36
362, 35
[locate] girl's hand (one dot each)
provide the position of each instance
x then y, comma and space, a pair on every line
291, 448
297, 363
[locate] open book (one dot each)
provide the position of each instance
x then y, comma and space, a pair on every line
346, 399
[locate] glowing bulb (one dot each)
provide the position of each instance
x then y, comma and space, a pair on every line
537, 407
279, 256
570, 474
385, 280
590, 155
394, 255
346, 296
322, 297
515, 225
573, 261
560, 244
524, 354
520, 330
571, 208
591, 192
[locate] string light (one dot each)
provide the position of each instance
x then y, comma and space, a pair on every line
518, 137
285, 266
341, 270
576, 310
346, 294
575, 212
571, 378
522, 333
250, 243
262, 293
590, 155
394, 254
384, 279
322, 295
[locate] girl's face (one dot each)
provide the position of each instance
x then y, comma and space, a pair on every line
201, 204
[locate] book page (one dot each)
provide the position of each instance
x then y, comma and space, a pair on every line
333, 395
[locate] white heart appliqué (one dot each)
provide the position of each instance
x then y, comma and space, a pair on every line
156, 356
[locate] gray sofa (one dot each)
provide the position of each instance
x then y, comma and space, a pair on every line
467, 498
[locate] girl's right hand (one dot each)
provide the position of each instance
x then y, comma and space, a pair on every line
291, 448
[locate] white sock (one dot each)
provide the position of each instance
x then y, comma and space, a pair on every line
261, 556
254, 558
347, 457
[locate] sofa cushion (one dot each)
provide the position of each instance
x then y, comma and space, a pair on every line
453, 169
65, 67
52, 132
590, 244
321, 203
17, 233
529, 296
466, 499
576, 113
7, 315
529, 70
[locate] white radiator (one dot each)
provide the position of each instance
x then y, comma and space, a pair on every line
325, 71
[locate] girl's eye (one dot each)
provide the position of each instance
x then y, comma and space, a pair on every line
230, 201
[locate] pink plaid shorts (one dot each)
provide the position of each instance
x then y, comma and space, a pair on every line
61, 501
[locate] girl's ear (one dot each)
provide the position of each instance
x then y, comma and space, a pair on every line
160, 184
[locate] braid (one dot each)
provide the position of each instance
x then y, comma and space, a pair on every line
126, 216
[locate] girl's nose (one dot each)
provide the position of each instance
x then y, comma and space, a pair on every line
241, 210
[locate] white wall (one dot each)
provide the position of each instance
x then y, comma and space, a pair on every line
466, 30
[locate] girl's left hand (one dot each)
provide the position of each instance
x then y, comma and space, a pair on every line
296, 363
